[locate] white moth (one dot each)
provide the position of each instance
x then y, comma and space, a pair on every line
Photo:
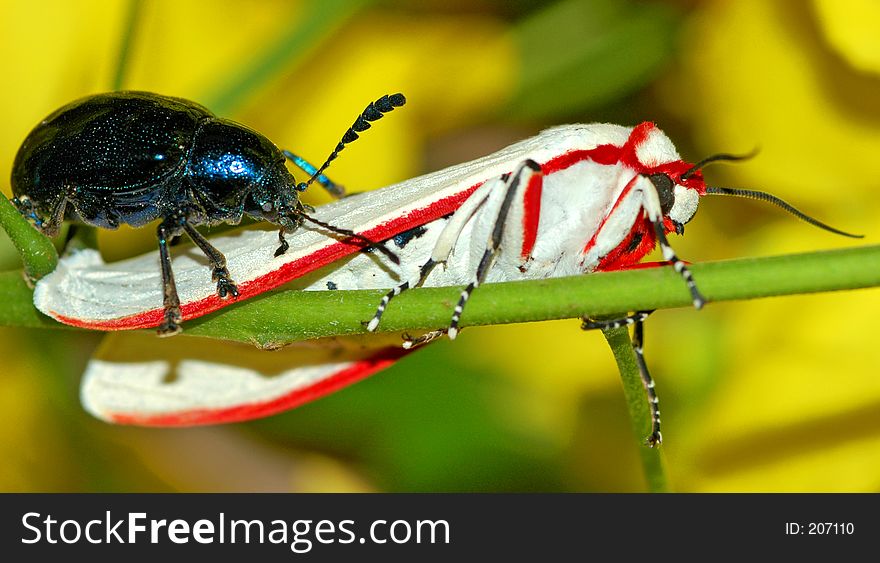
572, 200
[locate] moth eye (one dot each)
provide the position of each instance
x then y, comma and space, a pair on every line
665, 190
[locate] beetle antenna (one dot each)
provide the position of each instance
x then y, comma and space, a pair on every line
717, 158
373, 112
353, 235
762, 196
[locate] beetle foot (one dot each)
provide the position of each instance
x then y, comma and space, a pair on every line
225, 286
284, 245
171, 325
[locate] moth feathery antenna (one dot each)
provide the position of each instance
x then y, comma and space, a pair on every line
373, 112
719, 158
351, 234
763, 196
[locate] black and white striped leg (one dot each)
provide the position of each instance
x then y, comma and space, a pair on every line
485, 261
637, 319
380, 310
680, 267
655, 439
638, 316
514, 181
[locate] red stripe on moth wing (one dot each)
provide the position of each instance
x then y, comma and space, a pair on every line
531, 213
195, 417
638, 242
285, 273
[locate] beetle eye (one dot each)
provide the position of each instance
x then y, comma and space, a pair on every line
267, 206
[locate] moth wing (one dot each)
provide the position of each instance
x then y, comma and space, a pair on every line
137, 379
84, 291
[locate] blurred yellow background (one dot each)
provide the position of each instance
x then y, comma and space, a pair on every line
771, 395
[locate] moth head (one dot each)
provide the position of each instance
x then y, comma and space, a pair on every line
679, 184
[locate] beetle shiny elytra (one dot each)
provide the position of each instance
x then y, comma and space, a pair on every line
134, 157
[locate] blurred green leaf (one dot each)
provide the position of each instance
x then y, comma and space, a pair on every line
320, 20
580, 54
426, 424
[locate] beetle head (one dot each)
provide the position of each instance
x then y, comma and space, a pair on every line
275, 199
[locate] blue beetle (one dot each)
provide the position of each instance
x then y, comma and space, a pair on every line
134, 157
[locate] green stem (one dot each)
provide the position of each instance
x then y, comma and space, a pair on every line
37, 252
653, 461
279, 317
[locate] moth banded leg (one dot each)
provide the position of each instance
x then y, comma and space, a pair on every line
509, 199
680, 267
440, 253
380, 310
637, 319
526, 178
654, 211
629, 320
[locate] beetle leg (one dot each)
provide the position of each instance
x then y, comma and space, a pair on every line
225, 285
170, 301
284, 244
51, 227
291, 220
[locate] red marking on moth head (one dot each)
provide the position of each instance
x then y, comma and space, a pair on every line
674, 169
628, 153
